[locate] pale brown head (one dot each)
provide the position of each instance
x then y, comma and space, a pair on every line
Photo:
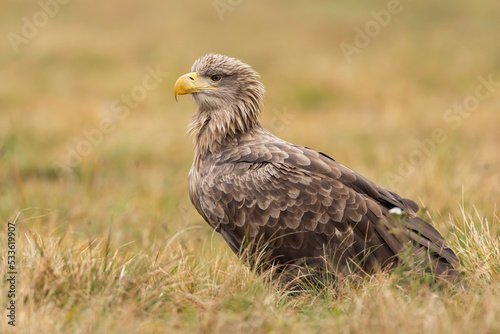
229, 96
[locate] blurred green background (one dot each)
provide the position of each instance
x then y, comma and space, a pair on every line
81, 63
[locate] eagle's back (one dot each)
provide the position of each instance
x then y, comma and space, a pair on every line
303, 209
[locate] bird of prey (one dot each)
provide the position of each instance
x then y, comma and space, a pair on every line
289, 207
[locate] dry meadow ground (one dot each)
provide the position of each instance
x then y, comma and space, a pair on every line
94, 158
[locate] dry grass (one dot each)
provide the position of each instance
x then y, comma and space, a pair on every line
114, 246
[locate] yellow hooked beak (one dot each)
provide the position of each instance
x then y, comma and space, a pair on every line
190, 83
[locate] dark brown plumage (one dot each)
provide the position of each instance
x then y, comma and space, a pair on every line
297, 209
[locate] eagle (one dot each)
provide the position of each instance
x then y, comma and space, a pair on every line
287, 207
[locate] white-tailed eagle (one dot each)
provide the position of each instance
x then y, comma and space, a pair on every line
288, 206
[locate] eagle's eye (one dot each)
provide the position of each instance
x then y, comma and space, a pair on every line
216, 78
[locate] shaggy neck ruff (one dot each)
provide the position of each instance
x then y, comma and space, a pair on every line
211, 124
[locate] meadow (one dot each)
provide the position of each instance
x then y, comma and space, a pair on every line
94, 159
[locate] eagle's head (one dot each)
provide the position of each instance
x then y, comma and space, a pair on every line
229, 96
221, 82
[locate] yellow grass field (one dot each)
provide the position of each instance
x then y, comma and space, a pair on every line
94, 159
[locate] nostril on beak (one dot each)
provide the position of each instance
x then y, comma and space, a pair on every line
191, 78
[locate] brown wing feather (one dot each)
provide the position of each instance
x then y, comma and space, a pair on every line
307, 208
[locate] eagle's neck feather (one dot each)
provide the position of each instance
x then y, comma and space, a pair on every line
212, 127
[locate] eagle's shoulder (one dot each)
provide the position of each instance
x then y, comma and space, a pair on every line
290, 194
